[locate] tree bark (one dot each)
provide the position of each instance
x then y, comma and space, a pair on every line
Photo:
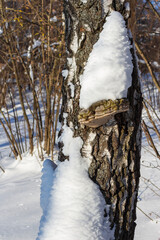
113, 148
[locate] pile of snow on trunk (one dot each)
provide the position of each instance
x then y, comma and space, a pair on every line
107, 74
76, 208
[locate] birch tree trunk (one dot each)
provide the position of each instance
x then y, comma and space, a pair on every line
113, 148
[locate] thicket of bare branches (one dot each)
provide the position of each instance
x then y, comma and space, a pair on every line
31, 63
147, 38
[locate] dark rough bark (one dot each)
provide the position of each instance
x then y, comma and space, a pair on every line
115, 146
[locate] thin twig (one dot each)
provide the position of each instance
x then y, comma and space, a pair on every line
145, 214
151, 120
154, 10
149, 138
148, 66
148, 180
2, 169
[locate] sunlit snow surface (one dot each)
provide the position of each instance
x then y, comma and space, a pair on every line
76, 208
107, 73
19, 197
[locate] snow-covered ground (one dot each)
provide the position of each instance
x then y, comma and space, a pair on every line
148, 227
21, 195
19, 189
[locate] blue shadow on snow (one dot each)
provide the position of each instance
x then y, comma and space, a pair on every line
46, 188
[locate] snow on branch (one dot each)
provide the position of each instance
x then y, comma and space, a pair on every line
107, 74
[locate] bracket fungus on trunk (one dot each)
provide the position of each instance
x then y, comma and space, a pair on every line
102, 111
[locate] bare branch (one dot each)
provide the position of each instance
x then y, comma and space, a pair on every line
148, 66
149, 138
154, 10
